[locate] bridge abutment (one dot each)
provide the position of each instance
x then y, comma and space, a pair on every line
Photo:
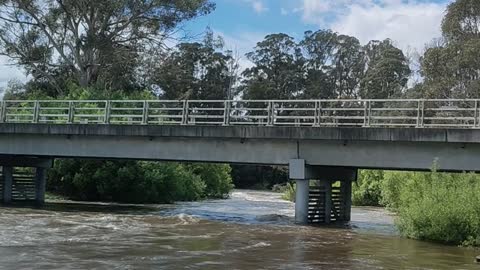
23, 179
324, 201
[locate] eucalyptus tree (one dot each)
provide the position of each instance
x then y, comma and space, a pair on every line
86, 40
278, 71
198, 70
452, 67
387, 71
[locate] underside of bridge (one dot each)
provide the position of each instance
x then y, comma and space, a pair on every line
23, 179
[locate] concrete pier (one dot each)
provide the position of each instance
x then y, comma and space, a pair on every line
24, 185
40, 185
329, 199
301, 201
7, 172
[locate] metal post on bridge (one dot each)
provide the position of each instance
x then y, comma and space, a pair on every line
226, 113
71, 112
185, 113
271, 114
107, 110
421, 114
3, 112
36, 111
145, 113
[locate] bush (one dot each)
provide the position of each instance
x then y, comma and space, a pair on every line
367, 190
138, 182
439, 207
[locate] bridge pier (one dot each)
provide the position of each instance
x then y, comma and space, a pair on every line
23, 184
322, 201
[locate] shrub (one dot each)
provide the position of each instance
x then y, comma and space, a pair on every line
138, 182
440, 207
367, 191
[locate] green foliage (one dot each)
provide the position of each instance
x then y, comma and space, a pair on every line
324, 65
92, 43
439, 207
217, 179
197, 71
433, 206
289, 192
450, 66
367, 191
138, 182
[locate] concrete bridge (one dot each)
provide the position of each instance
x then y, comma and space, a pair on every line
321, 140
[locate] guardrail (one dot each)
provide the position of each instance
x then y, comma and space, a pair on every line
413, 113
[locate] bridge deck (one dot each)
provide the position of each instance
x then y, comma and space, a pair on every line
387, 148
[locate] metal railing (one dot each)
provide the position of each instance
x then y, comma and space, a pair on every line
413, 113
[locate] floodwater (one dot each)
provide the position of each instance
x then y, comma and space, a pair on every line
251, 230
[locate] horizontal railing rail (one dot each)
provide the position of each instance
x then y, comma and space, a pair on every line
413, 113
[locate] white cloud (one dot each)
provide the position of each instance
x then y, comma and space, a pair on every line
9, 72
257, 5
409, 23
283, 11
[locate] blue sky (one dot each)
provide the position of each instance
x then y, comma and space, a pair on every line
242, 23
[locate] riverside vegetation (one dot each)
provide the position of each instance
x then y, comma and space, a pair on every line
434, 206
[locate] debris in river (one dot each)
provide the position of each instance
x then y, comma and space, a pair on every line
478, 259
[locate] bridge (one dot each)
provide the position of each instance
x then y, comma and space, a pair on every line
324, 140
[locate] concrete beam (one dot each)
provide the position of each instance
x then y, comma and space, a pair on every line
454, 150
17, 161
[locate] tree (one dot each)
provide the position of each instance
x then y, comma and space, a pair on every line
85, 40
452, 67
318, 48
278, 71
387, 71
196, 71
335, 65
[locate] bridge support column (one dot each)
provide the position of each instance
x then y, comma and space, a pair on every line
28, 187
7, 173
297, 172
301, 201
40, 184
326, 201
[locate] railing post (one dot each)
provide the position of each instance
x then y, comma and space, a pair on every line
145, 113
36, 112
475, 117
271, 112
316, 120
71, 112
366, 115
108, 106
185, 112
3, 111
226, 113
421, 113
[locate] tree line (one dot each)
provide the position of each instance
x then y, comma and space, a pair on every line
114, 46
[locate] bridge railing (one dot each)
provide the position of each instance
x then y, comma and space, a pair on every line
418, 113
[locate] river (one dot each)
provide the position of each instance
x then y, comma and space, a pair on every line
251, 230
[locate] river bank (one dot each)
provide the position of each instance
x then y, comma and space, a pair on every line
250, 230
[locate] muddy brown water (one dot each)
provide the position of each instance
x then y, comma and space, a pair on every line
251, 230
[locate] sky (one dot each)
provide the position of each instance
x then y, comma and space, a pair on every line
242, 23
